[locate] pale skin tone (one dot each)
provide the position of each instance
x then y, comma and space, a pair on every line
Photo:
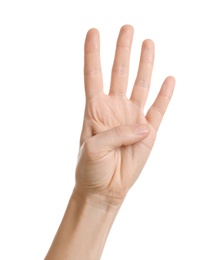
116, 141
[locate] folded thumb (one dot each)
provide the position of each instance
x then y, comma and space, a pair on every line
121, 135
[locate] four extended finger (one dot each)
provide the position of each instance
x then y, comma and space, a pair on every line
157, 110
120, 70
142, 83
92, 66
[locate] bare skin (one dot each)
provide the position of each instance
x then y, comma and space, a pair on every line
115, 170
116, 141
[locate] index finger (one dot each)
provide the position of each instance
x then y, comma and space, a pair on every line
92, 67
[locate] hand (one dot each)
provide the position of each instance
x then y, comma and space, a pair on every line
117, 137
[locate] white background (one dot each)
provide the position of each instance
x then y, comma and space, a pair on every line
167, 212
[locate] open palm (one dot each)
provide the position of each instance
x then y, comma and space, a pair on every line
111, 159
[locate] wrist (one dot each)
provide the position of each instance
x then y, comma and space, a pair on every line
93, 219
84, 229
97, 201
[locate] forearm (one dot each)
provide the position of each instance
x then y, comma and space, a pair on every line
83, 230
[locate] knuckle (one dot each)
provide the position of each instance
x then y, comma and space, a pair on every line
92, 71
142, 83
159, 109
88, 148
116, 131
120, 70
124, 45
119, 131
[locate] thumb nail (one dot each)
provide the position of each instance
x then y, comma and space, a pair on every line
142, 129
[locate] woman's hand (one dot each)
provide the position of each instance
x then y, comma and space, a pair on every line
117, 136
116, 140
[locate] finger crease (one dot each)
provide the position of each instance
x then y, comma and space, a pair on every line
120, 69
158, 109
92, 71
142, 83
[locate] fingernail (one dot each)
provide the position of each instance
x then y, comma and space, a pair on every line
142, 129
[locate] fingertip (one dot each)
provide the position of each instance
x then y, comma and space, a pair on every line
148, 43
148, 51
127, 28
126, 34
93, 32
167, 88
92, 39
171, 79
